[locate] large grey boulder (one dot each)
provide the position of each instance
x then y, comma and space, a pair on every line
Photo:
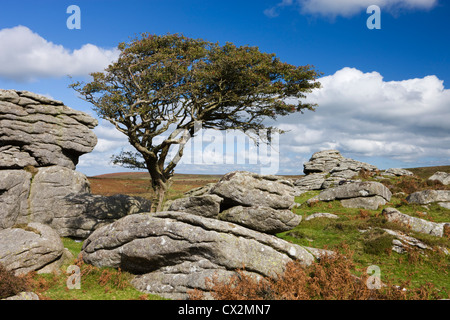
322, 161
397, 172
14, 190
321, 215
328, 168
29, 247
172, 252
50, 186
312, 181
349, 168
61, 198
429, 196
366, 194
262, 219
24, 296
416, 224
442, 177
247, 199
41, 140
207, 205
371, 203
38, 131
78, 215
250, 189
200, 191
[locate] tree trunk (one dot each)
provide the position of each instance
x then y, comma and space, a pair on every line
158, 199
160, 185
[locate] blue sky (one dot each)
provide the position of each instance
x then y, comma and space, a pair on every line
385, 97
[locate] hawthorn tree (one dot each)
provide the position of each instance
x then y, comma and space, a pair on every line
164, 85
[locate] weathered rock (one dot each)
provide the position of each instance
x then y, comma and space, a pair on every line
445, 205
14, 190
403, 241
327, 169
200, 191
14, 157
55, 267
50, 186
331, 161
416, 224
29, 247
321, 215
80, 214
322, 161
331, 182
24, 296
429, 196
349, 168
263, 219
173, 252
59, 197
207, 205
396, 172
312, 181
370, 203
250, 189
442, 177
38, 131
367, 194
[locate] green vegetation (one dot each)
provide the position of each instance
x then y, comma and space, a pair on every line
373, 247
359, 231
95, 283
426, 172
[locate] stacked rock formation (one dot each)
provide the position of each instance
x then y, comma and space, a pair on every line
40, 132
41, 141
173, 252
365, 194
211, 233
329, 168
258, 202
329, 171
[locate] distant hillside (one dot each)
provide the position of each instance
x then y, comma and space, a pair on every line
423, 172
426, 172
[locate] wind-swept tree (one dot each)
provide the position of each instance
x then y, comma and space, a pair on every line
165, 85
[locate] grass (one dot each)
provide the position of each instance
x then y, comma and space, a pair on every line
95, 283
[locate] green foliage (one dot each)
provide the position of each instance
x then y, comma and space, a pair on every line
172, 83
377, 242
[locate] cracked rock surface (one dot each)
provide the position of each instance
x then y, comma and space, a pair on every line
173, 252
250, 189
38, 131
29, 247
366, 194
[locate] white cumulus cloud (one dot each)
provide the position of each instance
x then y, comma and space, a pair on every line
406, 123
363, 115
26, 56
